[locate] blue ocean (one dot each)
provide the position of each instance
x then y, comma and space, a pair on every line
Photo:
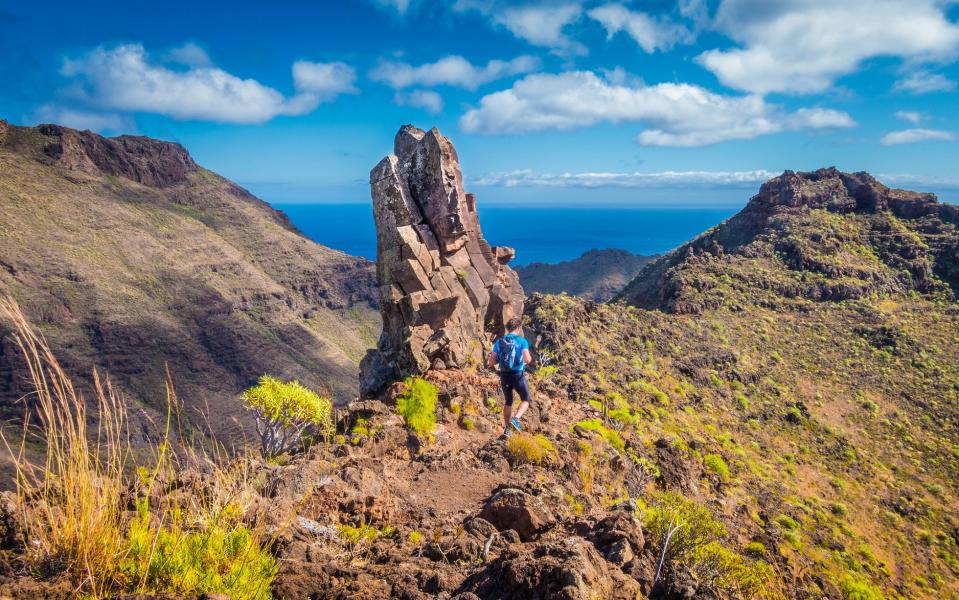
539, 234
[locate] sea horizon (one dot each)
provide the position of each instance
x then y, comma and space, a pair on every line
539, 234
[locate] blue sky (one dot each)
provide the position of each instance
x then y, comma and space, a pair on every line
564, 102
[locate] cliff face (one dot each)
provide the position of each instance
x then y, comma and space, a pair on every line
816, 236
443, 288
130, 257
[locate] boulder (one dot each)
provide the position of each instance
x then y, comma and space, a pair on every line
514, 509
444, 290
569, 569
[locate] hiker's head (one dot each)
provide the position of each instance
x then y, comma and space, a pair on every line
514, 324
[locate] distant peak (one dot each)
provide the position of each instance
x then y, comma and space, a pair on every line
836, 191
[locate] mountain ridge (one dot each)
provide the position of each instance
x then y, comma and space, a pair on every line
598, 274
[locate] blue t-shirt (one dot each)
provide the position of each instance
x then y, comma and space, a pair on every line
521, 342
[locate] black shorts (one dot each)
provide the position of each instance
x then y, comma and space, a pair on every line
514, 380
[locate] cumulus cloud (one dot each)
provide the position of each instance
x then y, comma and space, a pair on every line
924, 82
651, 33
451, 70
127, 79
664, 179
908, 115
540, 24
912, 136
675, 114
425, 99
803, 46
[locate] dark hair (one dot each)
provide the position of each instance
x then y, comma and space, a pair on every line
514, 324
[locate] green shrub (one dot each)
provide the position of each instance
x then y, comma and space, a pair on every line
732, 573
697, 526
284, 411
468, 424
859, 588
696, 543
218, 559
417, 405
612, 437
870, 406
755, 549
839, 509
535, 449
716, 465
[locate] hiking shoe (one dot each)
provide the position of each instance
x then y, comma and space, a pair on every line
507, 432
515, 424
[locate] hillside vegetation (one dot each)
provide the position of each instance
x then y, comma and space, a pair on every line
131, 258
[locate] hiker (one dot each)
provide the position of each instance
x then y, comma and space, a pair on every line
511, 353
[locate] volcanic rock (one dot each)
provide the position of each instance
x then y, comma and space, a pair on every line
514, 509
443, 288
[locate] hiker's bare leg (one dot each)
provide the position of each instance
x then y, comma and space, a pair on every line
523, 407
507, 412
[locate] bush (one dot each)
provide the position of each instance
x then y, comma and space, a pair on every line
715, 464
755, 549
697, 526
284, 411
615, 408
220, 559
526, 448
696, 543
417, 405
611, 436
858, 588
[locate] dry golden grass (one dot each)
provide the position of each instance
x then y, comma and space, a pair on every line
73, 502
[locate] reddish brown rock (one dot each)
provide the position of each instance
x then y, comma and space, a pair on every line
151, 162
444, 290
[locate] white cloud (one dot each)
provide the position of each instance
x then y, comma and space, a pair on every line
543, 25
924, 82
675, 114
127, 79
912, 136
649, 32
540, 23
802, 46
189, 54
908, 115
664, 179
83, 119
425, 99
451, 70
325, 81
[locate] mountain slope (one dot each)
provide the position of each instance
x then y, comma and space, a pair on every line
131, 257
596, 275
795, 369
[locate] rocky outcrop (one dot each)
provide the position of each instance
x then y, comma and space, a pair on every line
443, 288
151, 162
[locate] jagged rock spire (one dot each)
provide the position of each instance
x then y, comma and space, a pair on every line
444, 290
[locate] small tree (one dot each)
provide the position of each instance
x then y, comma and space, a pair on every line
284, 410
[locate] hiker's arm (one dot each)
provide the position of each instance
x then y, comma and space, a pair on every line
527, 357
491, 359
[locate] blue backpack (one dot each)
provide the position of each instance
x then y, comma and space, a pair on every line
510, 354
